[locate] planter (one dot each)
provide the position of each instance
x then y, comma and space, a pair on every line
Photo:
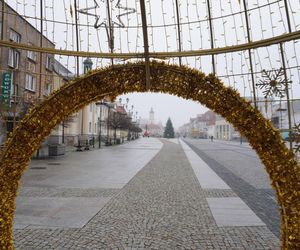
55, 150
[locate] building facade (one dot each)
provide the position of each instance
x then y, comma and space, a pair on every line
223, 129
202, 126
31, 73
30, 77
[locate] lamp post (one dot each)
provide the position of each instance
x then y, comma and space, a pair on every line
115, 127
99, 120
128, 114
100, 104
131, 120
107, 125
63, 132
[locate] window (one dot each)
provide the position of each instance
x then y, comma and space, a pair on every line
13, 58
14, 92
49, 63
31, 67
14, 36
90, 127
48, 89
31, 55
49, 78
30, 82
95, 128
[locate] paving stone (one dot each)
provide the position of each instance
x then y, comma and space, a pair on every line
214, 193
162, 207
261, 200
67, 192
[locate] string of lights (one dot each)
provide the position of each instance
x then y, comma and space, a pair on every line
37, 19
192, 27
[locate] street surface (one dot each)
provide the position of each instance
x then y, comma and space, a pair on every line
148, 194
238, 165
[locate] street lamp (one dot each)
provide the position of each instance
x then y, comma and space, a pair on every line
99, 120
100, 104
107, 125
129, 114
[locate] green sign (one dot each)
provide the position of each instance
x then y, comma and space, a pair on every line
6, 87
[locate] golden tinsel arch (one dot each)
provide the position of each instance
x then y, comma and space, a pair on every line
279, 162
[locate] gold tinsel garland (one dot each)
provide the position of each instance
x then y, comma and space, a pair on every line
280, 163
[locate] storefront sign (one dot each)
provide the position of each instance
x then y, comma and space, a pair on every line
6, 88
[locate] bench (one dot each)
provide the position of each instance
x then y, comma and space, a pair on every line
82, 145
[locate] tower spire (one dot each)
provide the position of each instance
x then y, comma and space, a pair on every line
151, 116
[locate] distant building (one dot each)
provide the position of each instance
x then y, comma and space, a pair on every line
280, 118
223, 129
184, 130
151, 116
150, 128
201, 126
61, 76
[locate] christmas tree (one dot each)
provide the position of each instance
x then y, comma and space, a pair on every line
169, 130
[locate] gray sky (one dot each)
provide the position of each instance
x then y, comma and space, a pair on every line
164, 106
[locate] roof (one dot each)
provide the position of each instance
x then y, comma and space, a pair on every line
120, 109
62, 70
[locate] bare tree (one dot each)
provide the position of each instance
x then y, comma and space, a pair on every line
118, 120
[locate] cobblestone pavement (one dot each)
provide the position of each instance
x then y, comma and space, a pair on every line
241, 169
162, 207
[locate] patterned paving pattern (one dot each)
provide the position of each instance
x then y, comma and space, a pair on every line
67, 192
162, 207
261, 200
218, 193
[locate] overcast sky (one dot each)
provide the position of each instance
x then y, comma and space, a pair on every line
164, 106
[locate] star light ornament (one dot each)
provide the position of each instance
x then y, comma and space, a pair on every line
112, 7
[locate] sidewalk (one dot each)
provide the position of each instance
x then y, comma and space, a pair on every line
246, 144
175, 201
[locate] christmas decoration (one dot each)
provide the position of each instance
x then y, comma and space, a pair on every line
273, 82
111, 7
169, 130
280, 163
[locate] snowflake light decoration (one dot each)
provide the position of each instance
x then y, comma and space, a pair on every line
103, 5
274, 83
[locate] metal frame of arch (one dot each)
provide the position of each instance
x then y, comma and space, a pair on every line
159, 55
